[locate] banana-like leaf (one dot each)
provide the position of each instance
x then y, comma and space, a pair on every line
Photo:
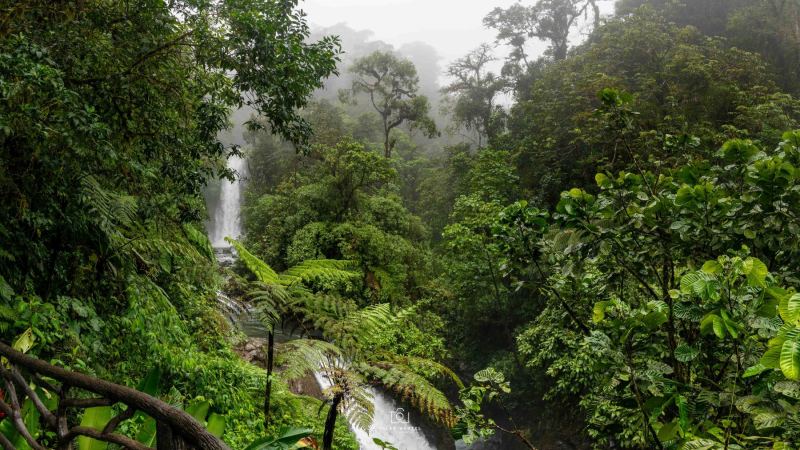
289, 438
96, 418
216, 424
149, 385
199, 410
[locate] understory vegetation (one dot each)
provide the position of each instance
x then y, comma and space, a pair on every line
593, 246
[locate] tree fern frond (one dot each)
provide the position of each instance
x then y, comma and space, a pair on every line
426, 365
412, 388
108, 208
327, 273
259, 268
361, 325
301, 357
359, 408
323, 311
199, 240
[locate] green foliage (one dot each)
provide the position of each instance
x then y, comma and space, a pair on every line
353, 359
674, 340
103, 163
696, 94
473, 424
343, 207
288, 439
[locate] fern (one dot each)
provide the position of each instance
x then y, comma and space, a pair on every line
200, 241
109, 209
262, 271
412, 388
302, 357
359, 408
426, 365
323, 271
361, 325
323, 311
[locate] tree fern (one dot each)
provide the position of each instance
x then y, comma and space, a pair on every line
345, 364
359, 408
109, 209
323, 311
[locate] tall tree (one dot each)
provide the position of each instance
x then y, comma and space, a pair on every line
392, 84
473, 92
550, 21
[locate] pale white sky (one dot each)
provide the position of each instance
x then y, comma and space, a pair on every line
453, 27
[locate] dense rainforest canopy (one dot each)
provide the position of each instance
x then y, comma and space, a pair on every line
581, 235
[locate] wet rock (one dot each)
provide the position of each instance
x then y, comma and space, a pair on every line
252, 350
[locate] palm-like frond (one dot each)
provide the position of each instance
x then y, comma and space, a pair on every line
359, 326
412, 388
263, 272
359, 407
323, 271
425, 365
301, 357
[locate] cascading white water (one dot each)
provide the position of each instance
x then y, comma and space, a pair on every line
227, 220
390, 423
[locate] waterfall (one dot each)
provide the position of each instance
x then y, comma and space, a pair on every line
227, 221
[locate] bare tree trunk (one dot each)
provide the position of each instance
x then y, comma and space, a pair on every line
268, 389
330, 423
387, 147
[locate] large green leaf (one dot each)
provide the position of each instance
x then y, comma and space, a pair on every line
96, 418
685, 353
712, 267
688, 281
216, 424
754, 370
756, 272
289, 438
147, 432
149, 385
790, 309
790, 358
199, 410
599, 311
772, 357
30, 417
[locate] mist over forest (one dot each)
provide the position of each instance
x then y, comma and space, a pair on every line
225, 226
